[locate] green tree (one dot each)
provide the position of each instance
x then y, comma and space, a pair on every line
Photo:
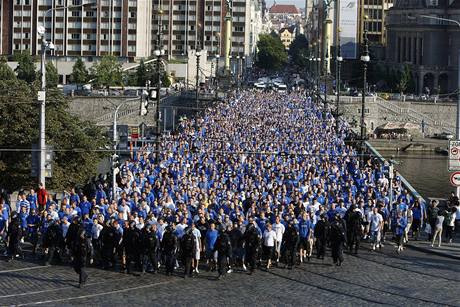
141, 74
166, 80
271, 54
107, 72
52, 76
26, 67
404, 78
75, 142
80, 74
298, 50
6, 73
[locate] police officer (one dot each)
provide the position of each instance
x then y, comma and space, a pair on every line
151, 246
290, 239
321, 235
337, 239
224, 250
251, 246
187, 246
354, 228
51, 240
133, 245
109, 239
14, 237
72, 234
168, 247
80, 251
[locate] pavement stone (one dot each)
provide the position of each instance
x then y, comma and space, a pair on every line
383, 277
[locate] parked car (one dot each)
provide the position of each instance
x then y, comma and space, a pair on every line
443, 136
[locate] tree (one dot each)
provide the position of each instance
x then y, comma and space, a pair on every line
76, 143
80, 74
141, 74
6, 73
404, 79
271, 54
52, 76
26, 67
299, 51
166, 80
107, 72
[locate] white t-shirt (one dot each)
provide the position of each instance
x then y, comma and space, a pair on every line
97, 230
269, 238
439, 221
279, 231
375, 221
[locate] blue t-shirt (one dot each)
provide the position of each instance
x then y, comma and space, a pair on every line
211, 238
305, 227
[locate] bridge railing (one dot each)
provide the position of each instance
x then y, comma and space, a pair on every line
406, 185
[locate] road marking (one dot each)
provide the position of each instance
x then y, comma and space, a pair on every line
97, 294
24, 269
58, 289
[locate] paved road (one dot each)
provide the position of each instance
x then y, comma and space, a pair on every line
371, 278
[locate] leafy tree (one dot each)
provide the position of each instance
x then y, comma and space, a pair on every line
80, 74
52, 76
107, 72
404, 79
271, 54
299, 52
142, 74
6, 73
75, 141
166, 80
26, 67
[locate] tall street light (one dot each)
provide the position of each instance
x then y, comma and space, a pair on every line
365, 58
158, 53
338, 63
217, 69
197, 81
42, 93
457, 127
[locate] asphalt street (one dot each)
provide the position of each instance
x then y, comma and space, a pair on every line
371, 278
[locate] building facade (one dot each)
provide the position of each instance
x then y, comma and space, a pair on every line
429, 47
287, 35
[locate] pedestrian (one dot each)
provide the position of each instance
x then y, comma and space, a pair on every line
432, 216
109, 239
449, 221
223, 248
337, 237
188, 250
33, 221
210, 241
198, 249
14, 234
400, 227
80, 248
251, 246
376, 226
321, 232
51, 241
416, 219
290, 242
279, 229
305, 237
168, 248
133, 247
354, 228
269, 241
438, 227
151, 246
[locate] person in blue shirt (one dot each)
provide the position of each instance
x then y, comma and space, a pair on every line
210, 241
33, 221
23, 202
23, 221
401, 223
85, 206
416, 219
32, 199
305, 236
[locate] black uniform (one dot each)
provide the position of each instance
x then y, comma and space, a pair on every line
354, 229
109, 240
321, 234
290, 239
133, 246
337, 239
51, 241
151, 246
168, 247
251, 245
14, 237
80, 251
224, 250
188, 247
72, 235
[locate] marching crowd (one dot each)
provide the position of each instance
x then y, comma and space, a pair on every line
259, 179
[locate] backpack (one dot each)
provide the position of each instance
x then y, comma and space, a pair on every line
187, 242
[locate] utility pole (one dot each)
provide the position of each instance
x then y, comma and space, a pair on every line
365, 59
197, 81
158, 53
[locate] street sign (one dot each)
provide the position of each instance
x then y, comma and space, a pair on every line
454, 156
455, 179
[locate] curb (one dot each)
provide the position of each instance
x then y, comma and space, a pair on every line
431, 251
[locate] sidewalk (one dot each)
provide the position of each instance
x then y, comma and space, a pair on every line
449, 250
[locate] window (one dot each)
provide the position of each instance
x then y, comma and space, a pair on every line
75, 36
132, 48
104, 36
178, 37
133, 14
26, 2
89, 13
26, 35
75, 13
16, 46
76, 2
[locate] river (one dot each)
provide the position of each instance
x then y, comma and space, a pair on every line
426, 172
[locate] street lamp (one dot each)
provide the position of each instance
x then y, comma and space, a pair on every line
197, 81
238, 73
365, 58
158, 53
338, 60
217, 68
42, 92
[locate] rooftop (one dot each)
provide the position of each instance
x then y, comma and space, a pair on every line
284, 9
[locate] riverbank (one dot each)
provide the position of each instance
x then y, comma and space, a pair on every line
414, 145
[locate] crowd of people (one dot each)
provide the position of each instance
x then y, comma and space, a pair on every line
259, 179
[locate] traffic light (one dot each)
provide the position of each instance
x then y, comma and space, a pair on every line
115, 163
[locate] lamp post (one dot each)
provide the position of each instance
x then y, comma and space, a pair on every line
217, 69
339, 60
158, 53
238, 73
42, 93
457, 126
365, 59
197, 81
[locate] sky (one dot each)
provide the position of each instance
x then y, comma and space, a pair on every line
298, 3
